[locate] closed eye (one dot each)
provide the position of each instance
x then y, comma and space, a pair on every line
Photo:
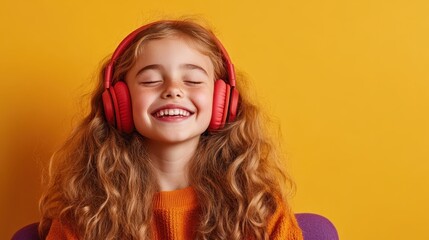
150, 83
193, 82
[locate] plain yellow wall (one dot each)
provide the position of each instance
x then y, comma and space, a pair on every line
348, 82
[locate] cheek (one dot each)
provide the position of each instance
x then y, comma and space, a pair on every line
205, 100
140, 102
140, 105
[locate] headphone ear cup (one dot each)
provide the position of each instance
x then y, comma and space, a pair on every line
122, 104
233, 104
220, 105
109, 111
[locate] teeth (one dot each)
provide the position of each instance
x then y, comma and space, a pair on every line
172, 112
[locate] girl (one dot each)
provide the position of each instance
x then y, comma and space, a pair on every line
169, 150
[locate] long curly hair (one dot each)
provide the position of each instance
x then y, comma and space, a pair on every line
101, 182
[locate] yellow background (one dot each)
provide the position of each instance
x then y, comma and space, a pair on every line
348, 82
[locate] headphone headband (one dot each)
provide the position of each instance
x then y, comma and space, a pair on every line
128, 40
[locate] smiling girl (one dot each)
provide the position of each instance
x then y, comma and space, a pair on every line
169, 150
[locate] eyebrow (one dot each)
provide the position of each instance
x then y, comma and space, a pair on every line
149, 67
193, 66
182, 66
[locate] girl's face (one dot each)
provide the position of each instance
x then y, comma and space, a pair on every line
171, 86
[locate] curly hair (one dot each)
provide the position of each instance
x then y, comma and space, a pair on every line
101, 182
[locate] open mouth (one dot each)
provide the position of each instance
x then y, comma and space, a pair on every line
172, 112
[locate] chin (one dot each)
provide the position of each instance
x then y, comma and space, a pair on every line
170, 138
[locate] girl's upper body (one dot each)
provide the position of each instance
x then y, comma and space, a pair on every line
169, 150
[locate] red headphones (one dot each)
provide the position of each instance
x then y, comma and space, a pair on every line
117, 100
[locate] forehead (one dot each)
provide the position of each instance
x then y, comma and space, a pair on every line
174, 46
194, 41
203, 45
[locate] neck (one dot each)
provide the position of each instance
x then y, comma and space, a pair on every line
171, 163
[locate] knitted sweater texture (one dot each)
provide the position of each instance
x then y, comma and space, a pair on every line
176, 217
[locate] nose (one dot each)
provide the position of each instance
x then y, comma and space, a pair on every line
172, 90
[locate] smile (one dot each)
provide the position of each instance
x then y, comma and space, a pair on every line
174, 112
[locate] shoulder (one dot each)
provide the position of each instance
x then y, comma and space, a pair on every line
282, 224
59, 230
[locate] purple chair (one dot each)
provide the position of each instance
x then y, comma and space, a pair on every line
314, 227
29, 232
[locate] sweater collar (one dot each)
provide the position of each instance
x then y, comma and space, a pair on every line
182, 198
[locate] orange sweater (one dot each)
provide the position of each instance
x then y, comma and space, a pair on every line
176, 215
